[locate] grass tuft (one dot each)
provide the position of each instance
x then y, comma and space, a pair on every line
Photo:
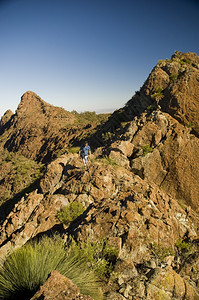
24, 270
147, 149
173, 77
110, 161
74, 150
158, 95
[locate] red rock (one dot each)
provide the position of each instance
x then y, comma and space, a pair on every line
59, 287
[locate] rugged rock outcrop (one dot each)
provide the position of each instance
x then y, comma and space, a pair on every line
181, 98
133, 214
167, 284
159, 127
140, 190
39, 130
59, 287
173, 86
162, 151
6, 118
33, 124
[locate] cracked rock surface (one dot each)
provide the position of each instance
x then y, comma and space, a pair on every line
140, 190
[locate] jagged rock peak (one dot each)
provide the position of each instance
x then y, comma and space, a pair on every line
172, 86
34, 108
193, 57
30, 94
34, 122
31, 101
6, 117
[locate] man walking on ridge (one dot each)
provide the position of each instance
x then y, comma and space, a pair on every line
85, 151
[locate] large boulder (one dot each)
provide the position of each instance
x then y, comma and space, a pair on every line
181, 98
59, 287
166, 153
167, 284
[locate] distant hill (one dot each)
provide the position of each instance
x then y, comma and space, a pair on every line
40, 131
105, 110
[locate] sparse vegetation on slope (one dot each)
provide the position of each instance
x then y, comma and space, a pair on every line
100, 255
89, 117
137, 230
17, 173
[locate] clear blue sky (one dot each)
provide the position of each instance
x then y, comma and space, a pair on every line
88, 54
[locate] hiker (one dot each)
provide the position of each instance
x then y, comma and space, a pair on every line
85, 151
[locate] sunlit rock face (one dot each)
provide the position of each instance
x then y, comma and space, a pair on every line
140, 190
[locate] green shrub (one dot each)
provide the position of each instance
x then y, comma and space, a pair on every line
178, 53
173, 77
147, 149
110, 161
189, 125
70, 212
123, 124
151, 108
59, 153
187, 61
27, 268
184, 248
184, 61
74, 150
90, 117
108, 135
161, 252
158, 95
160, 61
100, 256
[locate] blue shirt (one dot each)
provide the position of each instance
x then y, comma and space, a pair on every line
85, 150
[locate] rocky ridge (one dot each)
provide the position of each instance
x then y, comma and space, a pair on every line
172, 86
41, 131
140, 190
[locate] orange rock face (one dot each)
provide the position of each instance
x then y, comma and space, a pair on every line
59, 287
38, 130
140, 191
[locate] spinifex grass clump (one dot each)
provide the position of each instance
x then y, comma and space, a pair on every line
24, 270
